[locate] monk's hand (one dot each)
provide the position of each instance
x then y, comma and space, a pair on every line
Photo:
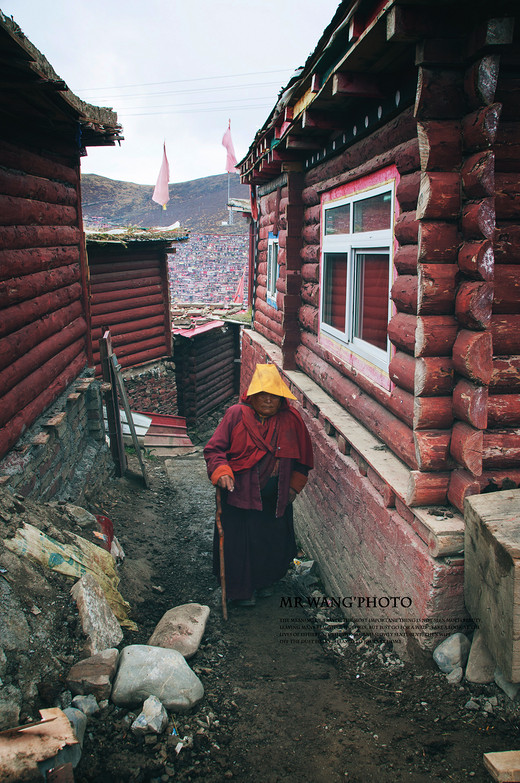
226, 482
292, 495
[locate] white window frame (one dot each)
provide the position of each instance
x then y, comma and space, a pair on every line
350, 245
273, 268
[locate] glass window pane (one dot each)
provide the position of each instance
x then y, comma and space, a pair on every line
371, 304
337, 220
335, 290
373, 213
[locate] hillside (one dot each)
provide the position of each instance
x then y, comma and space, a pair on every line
199, 205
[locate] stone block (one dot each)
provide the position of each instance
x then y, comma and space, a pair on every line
492, 574
181, 628
97, 618
94, 675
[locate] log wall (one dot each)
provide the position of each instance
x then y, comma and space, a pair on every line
43, 326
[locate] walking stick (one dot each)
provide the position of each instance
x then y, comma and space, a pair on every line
221, 552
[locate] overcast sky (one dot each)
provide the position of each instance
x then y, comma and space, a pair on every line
174, 71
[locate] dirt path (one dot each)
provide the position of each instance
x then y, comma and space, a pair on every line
283, 703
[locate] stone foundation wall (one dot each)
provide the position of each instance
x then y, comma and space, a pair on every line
152, 389
64, 454
361, 536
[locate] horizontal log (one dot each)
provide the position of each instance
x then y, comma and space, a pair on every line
128, 326
25, 212
101, 298
129, 338
310, 293
143, 357
311, 273
507, 196
506, 244
473, 304
124, 272
312, 214
423, 377
404, 293
310, 197
507, 147
478, 219
478, 175
470, 403
29, 187
501, 449
440, 145
18, 237
401, 331
405, 259
506, 374
506, 289
479, 129
16, 157
406, 228
18, 315
112, 320
432, 413
503, 410
436, 289
480, 81
15, 263
505, 330
427, 489
117, 286
131, 349
407, 191
10, 433
500, 479
466, 447
261, 306
311, 234
439, 242
274, 326
262, 325
432, 449
109, 307
27, 363
309, 318
440, 95
476, 260
32, 385
472, 356
435, 335
19, 289
439, 196
462, 485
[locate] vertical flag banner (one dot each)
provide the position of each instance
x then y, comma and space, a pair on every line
239, 293
160, 193
227, 142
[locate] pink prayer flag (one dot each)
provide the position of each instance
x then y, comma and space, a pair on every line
239, 293
160, 193
227, 142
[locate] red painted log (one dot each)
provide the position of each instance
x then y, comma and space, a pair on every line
17, 237
405, 260
275, 326
143, 357
436, 290
506, 244
466, 447
480, 81
439, 95
310, 254
25, 212
144, 270
15, 157
426, 489
473, 305
133, 349
495, 480
10, 433
312, 214
32, 385
262, 325
261, 306
462, 485
310, 292
438, 242
472, 356
311, 273
507, 289
128, 326
131, 314
432, 449
431, 413
407, 191
310, 197
435, 335
478, 175
26, 364
470, 403
309, 318
153, 292
311, 234
426, 377
19, 289
478, 219
401, 331
18, 315
137, 302
98, 287
439, 196
507, 196
406, 228
506, 334
37, 188
503, 410
506, 374
501, 449
14, 263
440, 145
476, 260
401, 403
404, 293
479, 129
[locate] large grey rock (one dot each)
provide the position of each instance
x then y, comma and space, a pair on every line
181, 628
153, 719
95, 674
87, 704
510, 688
98, 621
154, 671
10, 701
481, 666
452, 652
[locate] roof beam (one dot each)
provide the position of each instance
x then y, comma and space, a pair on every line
356, 85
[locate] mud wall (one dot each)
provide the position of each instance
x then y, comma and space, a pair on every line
154, 389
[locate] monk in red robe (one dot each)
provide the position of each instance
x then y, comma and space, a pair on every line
259, 456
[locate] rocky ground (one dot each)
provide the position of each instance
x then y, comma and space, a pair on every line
290, 694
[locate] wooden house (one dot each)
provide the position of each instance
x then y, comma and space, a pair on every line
386, 181
44, 130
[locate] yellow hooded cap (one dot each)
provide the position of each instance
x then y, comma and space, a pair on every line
266, 378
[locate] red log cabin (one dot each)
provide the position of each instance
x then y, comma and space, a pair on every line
44, 129
386, 182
